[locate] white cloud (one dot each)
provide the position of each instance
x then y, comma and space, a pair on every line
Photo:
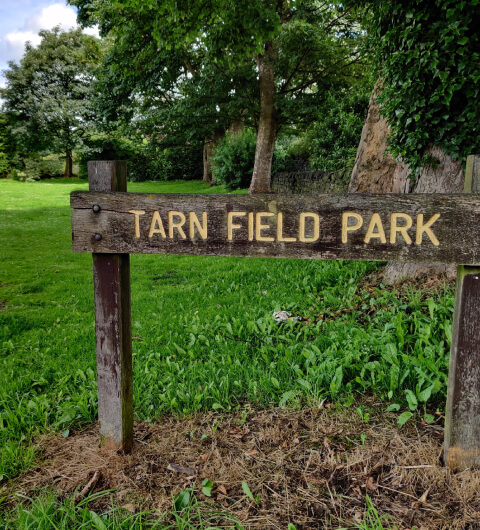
13, 45
51, 16
15, 42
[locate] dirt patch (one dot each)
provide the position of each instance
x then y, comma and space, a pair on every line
313, 468
429, 283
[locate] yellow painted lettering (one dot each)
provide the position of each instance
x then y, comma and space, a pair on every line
259, 226
137, 214
250, 226
176, 224
230, 225
421, 228
347, 227
195, 223
280, 230
156, 225
375, 229
395, 228
302, 230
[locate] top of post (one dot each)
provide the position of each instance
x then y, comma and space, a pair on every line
107, 175
472, 175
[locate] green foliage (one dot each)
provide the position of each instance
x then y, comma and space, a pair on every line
332, 140
246, 489
8, 154
234, 159
169, 163
194, 70
40, 167
48, 511
428, 55
146, 160
47, 97
373, 521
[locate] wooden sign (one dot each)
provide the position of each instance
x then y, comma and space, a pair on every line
407, 228
111, 224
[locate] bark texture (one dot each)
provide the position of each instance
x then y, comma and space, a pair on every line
208, 147
376, 171
68, 173
267, 125
447, 177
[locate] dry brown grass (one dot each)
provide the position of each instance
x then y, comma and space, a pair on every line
308, 467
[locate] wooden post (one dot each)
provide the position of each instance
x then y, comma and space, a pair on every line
111, 280
462, 422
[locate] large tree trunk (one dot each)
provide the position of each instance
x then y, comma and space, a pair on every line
267, 125
447, 177
376, 171
208, 147
68, 173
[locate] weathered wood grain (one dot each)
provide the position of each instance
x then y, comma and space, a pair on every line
112, 229
462, 425
111, 279
462, 418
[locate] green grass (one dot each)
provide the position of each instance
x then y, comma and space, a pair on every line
47, 512
204, 333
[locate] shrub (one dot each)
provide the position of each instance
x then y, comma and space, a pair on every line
331, 141
183, 162
44, 167
233, 160
146, 160
38, 168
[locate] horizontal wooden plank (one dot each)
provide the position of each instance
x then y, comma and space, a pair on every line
436, 228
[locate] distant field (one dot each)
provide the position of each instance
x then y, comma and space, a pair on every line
204, 335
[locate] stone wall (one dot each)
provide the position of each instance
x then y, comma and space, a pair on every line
311, 182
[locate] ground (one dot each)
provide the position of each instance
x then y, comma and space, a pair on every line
314, 468
332, 464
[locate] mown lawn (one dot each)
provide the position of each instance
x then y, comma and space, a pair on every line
204, 335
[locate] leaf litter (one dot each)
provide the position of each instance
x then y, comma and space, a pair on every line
318, 467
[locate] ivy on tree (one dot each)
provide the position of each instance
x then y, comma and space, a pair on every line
428, 56
48, 95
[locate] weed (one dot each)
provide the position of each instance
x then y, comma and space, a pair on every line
373, 521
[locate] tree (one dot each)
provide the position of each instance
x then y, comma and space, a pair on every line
9, 156
175, 97
429, 57
48, 96
289, 53
426, 101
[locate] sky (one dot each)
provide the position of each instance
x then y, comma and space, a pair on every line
21, 20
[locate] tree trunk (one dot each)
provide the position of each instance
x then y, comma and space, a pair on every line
236, 127
207, 156
376, 171
68, 173
267, 125
447, 177
208, 147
